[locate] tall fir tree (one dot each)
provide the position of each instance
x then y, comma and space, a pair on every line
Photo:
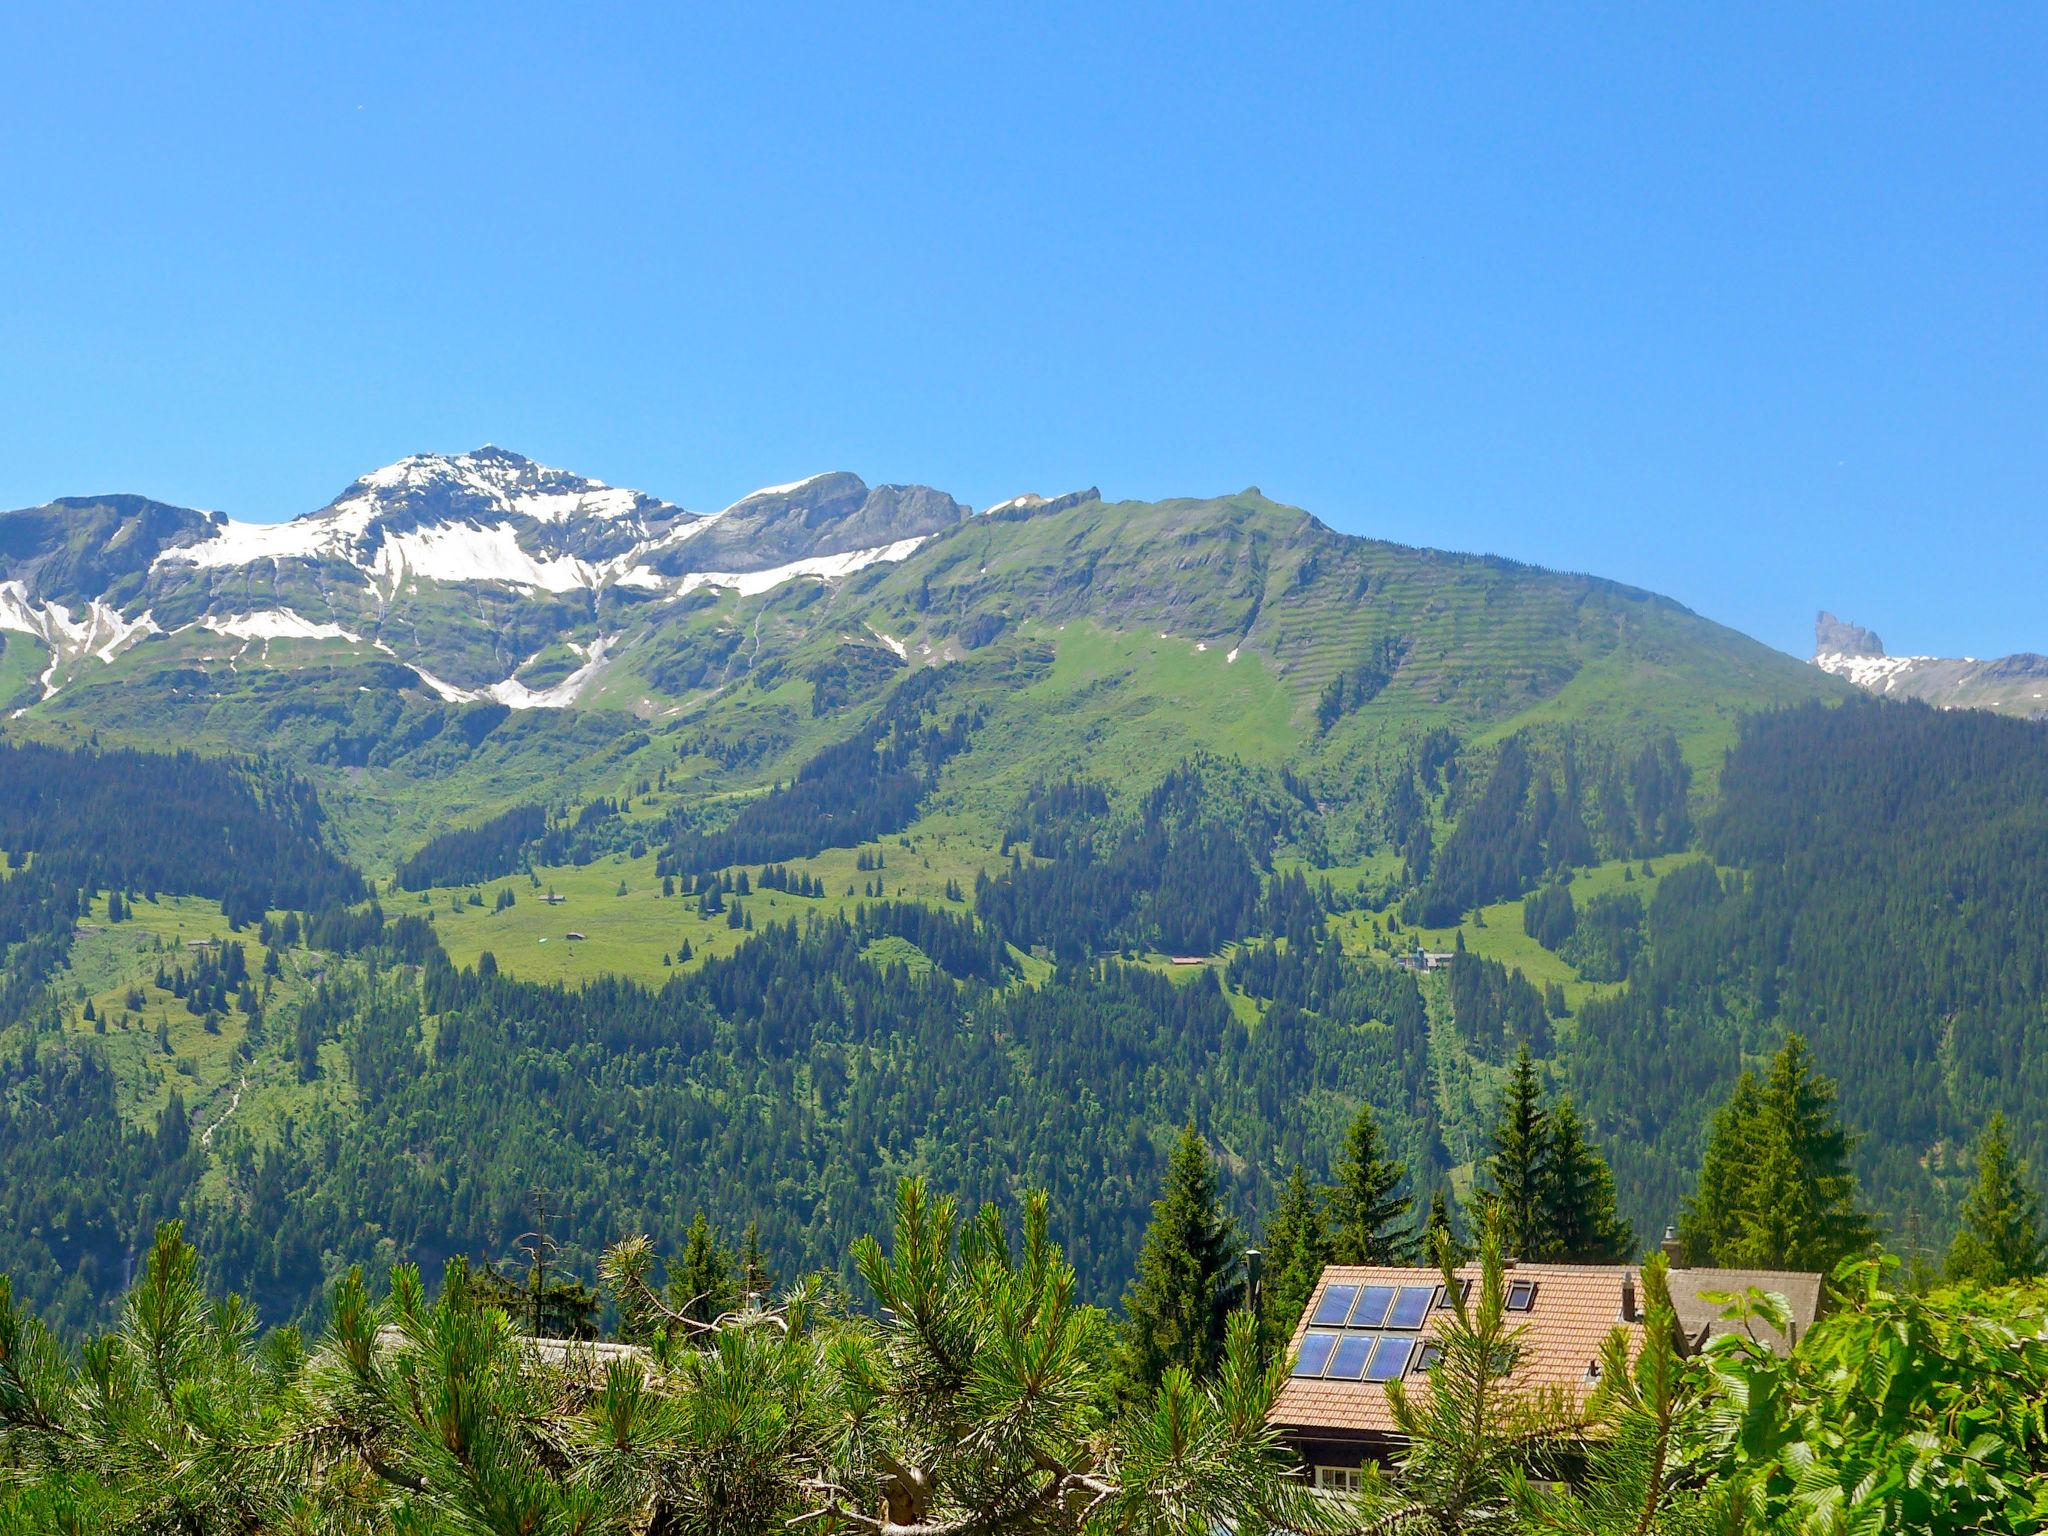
755, 1277
1519, 1165
1775, 1189
1180, 1299
1581, 1224
1368, 1211
1999, 1240
701, 1286
1439, 1230
1708, 1225
1297, 1246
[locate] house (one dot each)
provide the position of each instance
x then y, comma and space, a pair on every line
1427, 959
573, 937
1366, 1326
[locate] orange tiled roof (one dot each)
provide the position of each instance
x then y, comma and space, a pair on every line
1574, 1308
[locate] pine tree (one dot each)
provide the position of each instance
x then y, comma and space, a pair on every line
1297, 1246
1519, 1164
1180, 1299
1581, 1223
2000, 1238
1367, 1214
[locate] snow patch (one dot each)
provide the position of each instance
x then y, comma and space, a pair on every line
1227, 660
276, 624
819, 567
775, 490
903, 651
562, 694
102, 632
1879, 674
458, 552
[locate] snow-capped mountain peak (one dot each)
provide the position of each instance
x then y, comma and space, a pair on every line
493, 481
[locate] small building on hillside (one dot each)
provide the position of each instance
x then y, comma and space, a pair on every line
1366, 1326
1427, 959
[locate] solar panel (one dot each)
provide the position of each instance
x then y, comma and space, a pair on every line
1390, 1359
1315, 1354
1411, 1306
1371, 1311
1347, 1360
1335, 1306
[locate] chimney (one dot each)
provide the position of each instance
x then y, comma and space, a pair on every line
1674, 1250
1628, 1297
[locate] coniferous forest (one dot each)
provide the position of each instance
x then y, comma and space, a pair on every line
1803, 1033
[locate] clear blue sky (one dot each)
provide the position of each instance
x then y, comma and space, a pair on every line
1747, 305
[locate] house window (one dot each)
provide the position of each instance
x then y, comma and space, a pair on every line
1339, 1479
1521, 1295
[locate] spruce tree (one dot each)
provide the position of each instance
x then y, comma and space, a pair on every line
1368, 1214
1775, 1191
701, 1288
756, 1278
2000, 1237
1581, 1224
1707, 1225
1181, 1296
1519, 1164
1439, 1232
1297, 1246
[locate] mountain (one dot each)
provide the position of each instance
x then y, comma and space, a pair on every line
2012, 685
746, 861
487, 575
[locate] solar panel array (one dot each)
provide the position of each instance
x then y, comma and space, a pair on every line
1366, 1332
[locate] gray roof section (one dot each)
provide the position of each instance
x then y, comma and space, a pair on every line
1701, 1319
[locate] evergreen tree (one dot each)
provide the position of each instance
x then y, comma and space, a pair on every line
1439, 1232
1177, 1305
702, 1286
1708, 1225
1368, 1214
2000, 1238
1297, 1246
756, 1278
1775, 1190
1519, 1165
1581, 1223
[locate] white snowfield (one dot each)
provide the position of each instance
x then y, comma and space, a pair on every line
102, 632
1878, 673
517, 695
276, 624
773, 490
821, 567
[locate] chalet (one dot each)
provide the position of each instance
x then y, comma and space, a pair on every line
1190, 959
1367, 1326
1428, 959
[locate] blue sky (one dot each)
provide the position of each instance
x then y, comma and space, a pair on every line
1746, 305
